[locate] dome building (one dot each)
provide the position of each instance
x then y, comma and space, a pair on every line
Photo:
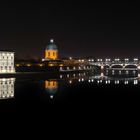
51, 52
7, 62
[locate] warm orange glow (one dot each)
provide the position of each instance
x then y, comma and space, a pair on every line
61, 65
17, 65
50, 65
51, 84
29, 65
41, 65
51, 54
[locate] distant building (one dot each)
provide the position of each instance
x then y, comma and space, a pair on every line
51, 55
7, 62
51, 52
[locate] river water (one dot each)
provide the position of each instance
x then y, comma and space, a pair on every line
71, 90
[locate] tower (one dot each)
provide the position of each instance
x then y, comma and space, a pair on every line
51, 52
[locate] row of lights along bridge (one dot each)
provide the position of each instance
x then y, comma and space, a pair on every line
126, 60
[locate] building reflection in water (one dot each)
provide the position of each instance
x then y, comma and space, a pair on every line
51, 87
7, 88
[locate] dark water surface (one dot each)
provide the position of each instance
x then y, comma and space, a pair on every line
81, 91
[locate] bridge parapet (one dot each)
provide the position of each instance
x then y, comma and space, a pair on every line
113, 63
117, 64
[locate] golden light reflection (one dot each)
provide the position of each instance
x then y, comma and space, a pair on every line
28, 65
51, 84
51, 87
50, 65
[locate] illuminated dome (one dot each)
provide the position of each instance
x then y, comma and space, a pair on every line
51, 45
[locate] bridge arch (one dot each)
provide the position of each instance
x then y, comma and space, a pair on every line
106, 66
116, 66
130, 66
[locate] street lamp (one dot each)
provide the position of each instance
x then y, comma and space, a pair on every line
126, 60
135, 59
70, 58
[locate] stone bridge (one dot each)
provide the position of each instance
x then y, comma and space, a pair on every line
116, 63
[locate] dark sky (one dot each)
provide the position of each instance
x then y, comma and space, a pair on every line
79, 29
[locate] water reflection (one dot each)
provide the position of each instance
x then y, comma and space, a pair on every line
51, 87
99, 79
7, 88
72, 80
64, 83
135, 82
69, 79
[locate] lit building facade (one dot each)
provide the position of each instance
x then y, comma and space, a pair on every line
51, 52
7, 62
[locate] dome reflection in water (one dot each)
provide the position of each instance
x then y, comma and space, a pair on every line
64, 83
51, 87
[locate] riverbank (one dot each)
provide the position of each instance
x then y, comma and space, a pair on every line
48, 74
28, 74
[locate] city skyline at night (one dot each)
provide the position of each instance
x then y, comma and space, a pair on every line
80, 30
64, 57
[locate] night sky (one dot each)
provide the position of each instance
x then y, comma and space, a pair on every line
79, 29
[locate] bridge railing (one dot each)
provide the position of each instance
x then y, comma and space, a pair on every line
111, 63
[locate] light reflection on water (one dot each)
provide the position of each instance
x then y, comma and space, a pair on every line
86, 78
51, 86
99, 79
7, 88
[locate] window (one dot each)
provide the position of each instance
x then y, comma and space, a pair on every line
48, 53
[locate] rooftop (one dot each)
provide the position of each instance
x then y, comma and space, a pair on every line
51, 46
